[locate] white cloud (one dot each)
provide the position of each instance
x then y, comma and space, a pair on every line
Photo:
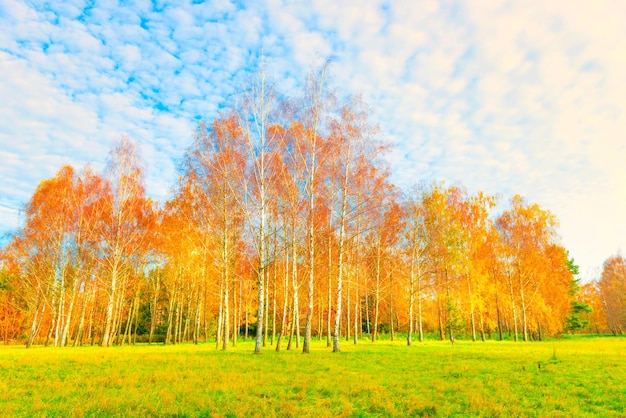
512, 97
549, 77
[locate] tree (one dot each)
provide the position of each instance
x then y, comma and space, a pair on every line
576, 321
127, 218
612, 286
214, 180
357, 156
312, 119
57, 252
537, 267
416, 250
385, 224
591, 295
255, 116
13, 304
446, 237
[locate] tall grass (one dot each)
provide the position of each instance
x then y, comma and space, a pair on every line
573, 377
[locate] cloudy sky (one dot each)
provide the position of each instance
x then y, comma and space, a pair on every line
508, 97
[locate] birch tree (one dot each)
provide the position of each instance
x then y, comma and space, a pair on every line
127, 215
255, 115
314, 102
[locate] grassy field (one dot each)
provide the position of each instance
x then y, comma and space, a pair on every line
570, 377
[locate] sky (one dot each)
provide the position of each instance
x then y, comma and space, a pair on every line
508, 97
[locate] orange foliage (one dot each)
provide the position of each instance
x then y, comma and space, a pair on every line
269, 205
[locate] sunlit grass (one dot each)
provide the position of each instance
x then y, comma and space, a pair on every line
575, 377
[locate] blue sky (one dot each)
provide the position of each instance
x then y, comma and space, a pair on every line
506, 97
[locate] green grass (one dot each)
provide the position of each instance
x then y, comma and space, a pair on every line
571, 377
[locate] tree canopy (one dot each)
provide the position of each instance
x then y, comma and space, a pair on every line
285, 225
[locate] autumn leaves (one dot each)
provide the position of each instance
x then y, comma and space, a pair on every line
284, 223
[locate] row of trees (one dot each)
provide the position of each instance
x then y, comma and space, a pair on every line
604, 300
285, 223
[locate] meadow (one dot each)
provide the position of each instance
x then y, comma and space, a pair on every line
568, 377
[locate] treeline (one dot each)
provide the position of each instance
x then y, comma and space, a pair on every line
285, 224
601, 304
